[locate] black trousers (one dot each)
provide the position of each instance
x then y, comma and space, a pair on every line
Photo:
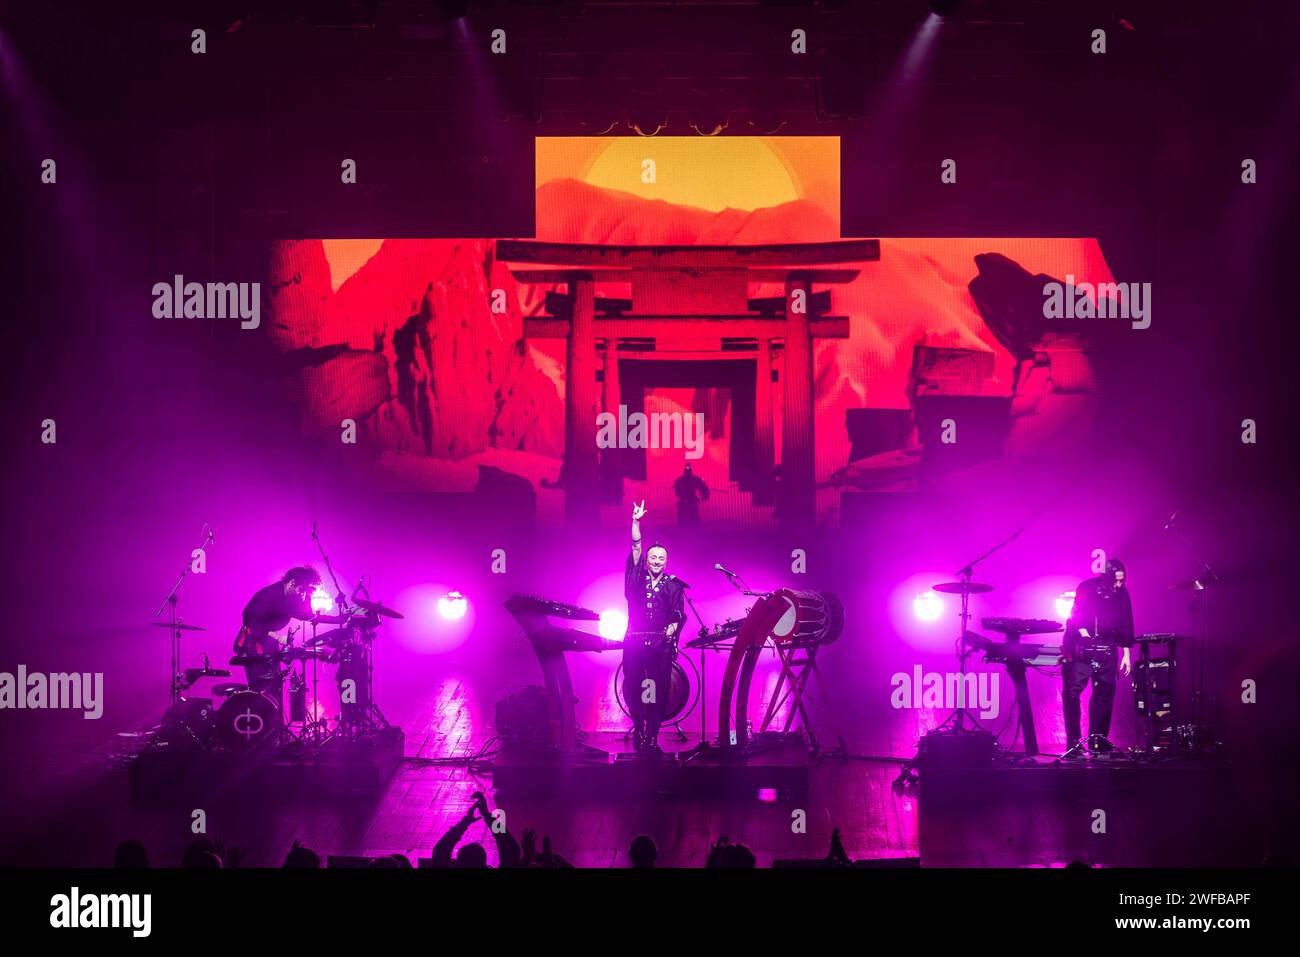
639, 663
1076, 675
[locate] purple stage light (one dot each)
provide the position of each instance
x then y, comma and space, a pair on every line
1064, 604
453, 605
613, 623
928, 606
321, 602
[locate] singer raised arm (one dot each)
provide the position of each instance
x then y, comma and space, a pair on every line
638, 512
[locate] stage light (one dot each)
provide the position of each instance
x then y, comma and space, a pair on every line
453, 606
944, 8
928, 606
766, 120
647, 122
1064, 604
321, 601
709, 123
613, 623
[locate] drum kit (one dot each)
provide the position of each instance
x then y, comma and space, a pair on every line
236, 718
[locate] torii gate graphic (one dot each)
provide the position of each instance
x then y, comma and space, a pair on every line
699, 293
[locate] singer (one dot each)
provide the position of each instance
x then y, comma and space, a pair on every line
655, 613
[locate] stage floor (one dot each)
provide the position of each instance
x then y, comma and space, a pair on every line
1028, 816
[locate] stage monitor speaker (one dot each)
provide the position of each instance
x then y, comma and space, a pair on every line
522, 719
950, 749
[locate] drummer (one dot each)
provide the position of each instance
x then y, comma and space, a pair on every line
269, 610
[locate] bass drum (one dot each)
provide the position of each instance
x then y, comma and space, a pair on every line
682, 697
247, 721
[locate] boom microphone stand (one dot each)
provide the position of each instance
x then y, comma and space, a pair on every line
174, 623
961, 715
704, 657
1200, 586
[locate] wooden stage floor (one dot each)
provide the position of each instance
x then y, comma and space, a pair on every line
1023, 817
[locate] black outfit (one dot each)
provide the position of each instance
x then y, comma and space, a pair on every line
651, 607
267, 611
690, 490
1107, 615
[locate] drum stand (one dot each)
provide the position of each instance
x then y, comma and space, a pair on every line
792, 684
169, 605
315, 729
370, 721
961, 715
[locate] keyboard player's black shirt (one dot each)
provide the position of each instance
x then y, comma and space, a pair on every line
1107, 615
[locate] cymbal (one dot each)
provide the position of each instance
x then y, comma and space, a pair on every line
178, 626
957, 588
376, 607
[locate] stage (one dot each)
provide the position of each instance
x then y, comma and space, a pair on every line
1027, 815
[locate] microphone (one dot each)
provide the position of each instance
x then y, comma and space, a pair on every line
718, 566
1172, 519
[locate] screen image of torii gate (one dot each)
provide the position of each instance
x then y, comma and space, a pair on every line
489, 369
690, 308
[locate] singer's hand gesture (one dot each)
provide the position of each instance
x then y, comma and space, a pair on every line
638, 511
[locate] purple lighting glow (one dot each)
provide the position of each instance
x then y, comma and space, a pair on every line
452, 606
613, 623
1064, 604
321, 600
928, 606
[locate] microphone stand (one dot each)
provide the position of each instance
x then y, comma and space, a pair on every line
173, 596
743, 586
964, 573
704, 631
1201, 584
340, 599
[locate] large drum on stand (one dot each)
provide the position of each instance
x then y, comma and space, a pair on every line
790, 619
807, 617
